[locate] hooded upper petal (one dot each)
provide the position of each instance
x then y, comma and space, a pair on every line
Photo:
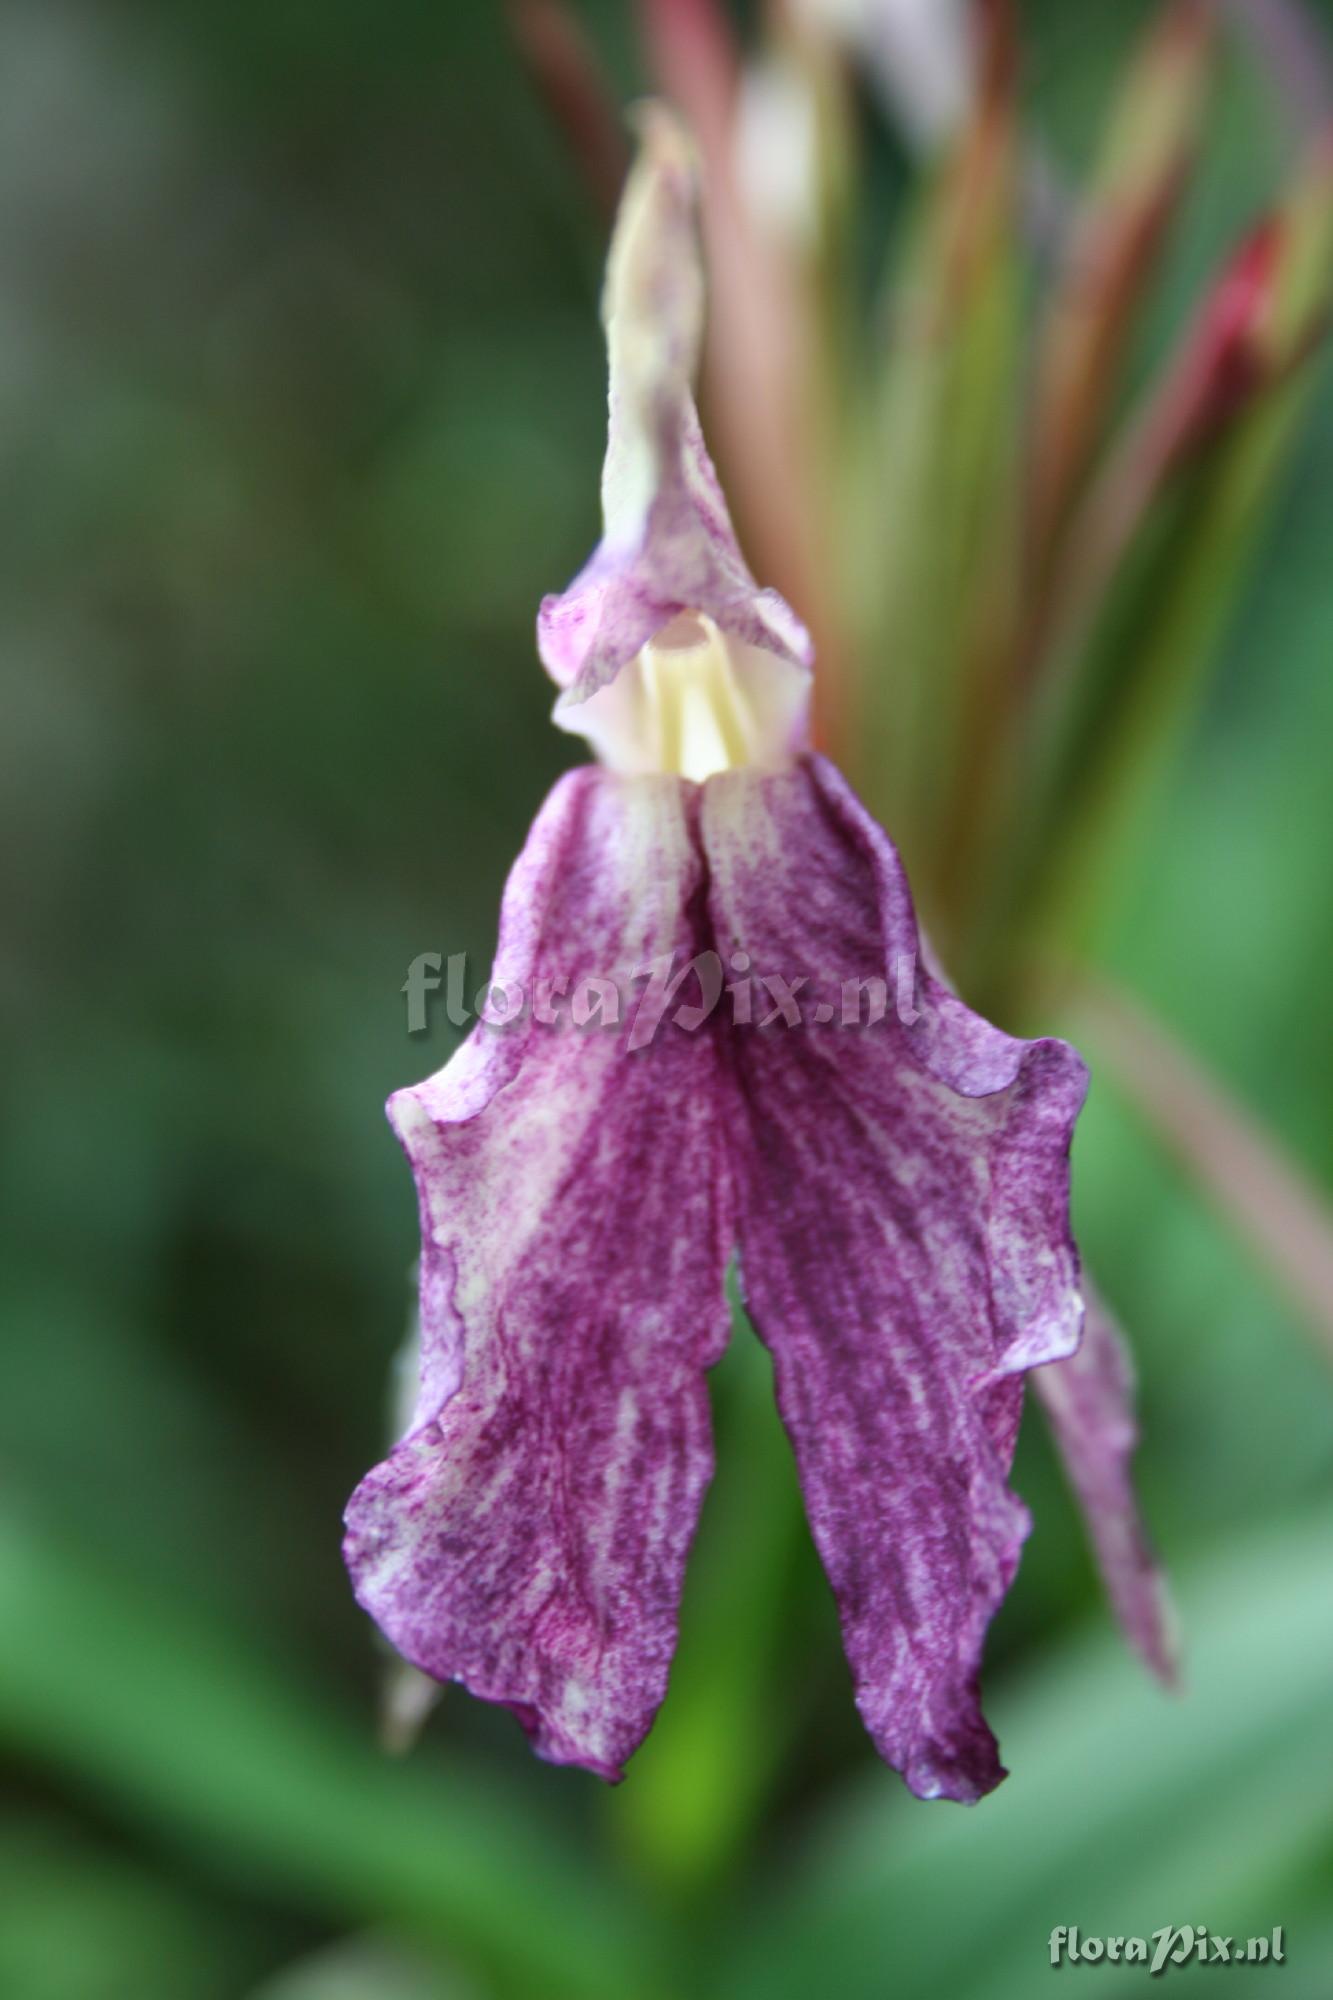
903, 1224
1089, 1398
528, 1535
667, 545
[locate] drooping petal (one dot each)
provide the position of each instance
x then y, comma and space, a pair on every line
1089, 1398
528, 1536
903, 1224
668, 545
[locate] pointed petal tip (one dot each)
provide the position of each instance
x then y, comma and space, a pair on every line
373, 1552
652, 303
1165, 1659
1089, 1401
962, 1780
552, 1745
960, 1788
665, 142
953, 1755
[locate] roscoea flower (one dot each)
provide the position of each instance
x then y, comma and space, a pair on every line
895, 1188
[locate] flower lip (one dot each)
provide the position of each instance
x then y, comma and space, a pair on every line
695, 701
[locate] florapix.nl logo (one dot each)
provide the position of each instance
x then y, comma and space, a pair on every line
1170, 1947
684, 993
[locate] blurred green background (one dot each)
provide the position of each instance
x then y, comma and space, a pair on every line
301, 396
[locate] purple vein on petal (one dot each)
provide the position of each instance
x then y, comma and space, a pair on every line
528, 1536
904, 1252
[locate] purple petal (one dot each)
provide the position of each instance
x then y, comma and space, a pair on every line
905, 1250
528, 1536
1089, 1398
668, 545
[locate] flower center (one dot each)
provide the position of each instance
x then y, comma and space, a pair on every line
694, 702
697, 712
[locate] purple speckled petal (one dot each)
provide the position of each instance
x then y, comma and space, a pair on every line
668, 545
528, 1536
905, 1252
1089, 1398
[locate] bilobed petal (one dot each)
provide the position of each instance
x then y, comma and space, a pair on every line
668, 545
905, 1252
1089, 1398
528, 1535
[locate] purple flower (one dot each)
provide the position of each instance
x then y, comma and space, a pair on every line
895, 1190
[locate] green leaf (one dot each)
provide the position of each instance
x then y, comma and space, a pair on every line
176, 1723
1152, 654
78, 1918
1127, 1809
700, 1781
931, 527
